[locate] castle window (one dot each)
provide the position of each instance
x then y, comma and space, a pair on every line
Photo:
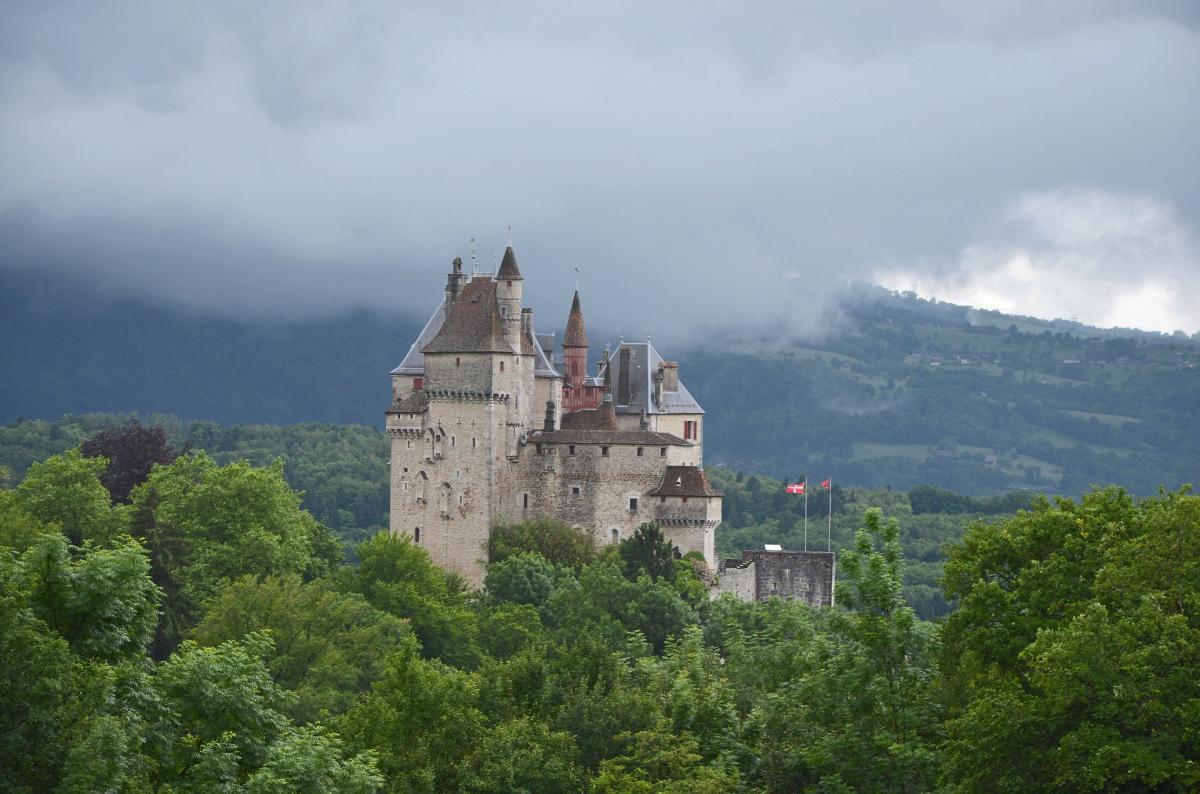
685, 500
501, 366
457, 361
416, 534
662, 452
633, 504
451, 440
639, 454
662, 500
604, 452
418, 384
576, 490
472, 443
537, 449
616, 535
571, 449
409, 444
525, 501
509, 283
460, 500
574, 367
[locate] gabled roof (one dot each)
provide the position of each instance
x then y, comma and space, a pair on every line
473, 322
643, 364
508, 267
685, 481
542, 368
575, 336
414, 361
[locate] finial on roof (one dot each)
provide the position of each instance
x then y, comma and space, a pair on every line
510, 234
474, 261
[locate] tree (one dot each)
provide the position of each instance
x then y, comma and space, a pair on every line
131, 451
66, 490
522, 756
328, 646
647, 551
558, 542
1071, 660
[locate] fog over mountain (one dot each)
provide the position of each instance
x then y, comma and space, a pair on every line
701, 166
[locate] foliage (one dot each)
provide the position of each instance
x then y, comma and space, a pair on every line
647, 552
558, 542
131, 451
1071, 659
1069, 663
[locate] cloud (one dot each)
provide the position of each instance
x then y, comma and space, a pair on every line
1107, 259
702, 167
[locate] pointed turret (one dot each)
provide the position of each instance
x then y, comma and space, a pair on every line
575, 336
508, 267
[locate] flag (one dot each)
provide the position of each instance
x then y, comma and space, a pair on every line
795, 487
825, 483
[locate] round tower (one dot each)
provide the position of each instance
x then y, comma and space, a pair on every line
508, 298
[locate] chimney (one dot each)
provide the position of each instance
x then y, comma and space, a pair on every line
526, 321
623, 391
454, 282
548, 426
658, 388
670, 375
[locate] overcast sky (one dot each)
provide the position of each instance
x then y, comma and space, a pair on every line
702, 163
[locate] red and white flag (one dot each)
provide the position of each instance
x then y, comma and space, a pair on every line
825, 484
795, 487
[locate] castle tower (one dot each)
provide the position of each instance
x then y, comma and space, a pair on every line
508, 298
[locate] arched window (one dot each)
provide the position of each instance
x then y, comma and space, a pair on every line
416, 534
616, 535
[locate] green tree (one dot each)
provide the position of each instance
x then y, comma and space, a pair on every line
647, 551
329, 646
522, 756
558, 542
65, 490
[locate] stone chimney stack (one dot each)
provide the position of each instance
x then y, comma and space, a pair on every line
548, 425
526, 322
670, 375
454, 282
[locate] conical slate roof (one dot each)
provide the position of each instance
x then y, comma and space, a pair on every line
575, 336
508, 267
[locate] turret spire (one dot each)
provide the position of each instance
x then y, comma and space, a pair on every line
508, 266
575, 335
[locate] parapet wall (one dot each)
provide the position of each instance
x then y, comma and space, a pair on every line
806, 576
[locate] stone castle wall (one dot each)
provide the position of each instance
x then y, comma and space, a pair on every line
806, 576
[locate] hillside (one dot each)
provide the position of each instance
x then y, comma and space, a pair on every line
906, 392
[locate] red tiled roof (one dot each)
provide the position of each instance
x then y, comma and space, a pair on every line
685, 481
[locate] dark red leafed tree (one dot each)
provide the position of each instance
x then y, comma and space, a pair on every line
132, 451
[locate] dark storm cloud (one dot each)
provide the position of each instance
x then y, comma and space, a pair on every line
733, 163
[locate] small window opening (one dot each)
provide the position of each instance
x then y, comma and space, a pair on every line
633, 504
604, 452
472, 443
662, 452
501, 366
525, 501
457, 361
639, 453
616, 535
575, 490
418, 384
416, 534
537, 449
571, 449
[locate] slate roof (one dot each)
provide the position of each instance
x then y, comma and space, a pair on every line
645, 438
473, 323
415, 403
508, 267
414, 361
542, 368
643, 364
575, 336
685, 481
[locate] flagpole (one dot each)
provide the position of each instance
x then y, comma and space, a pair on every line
806, 513
829, 530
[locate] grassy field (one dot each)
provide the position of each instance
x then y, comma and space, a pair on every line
1112, 420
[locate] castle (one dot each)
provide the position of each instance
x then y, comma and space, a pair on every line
491, 424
